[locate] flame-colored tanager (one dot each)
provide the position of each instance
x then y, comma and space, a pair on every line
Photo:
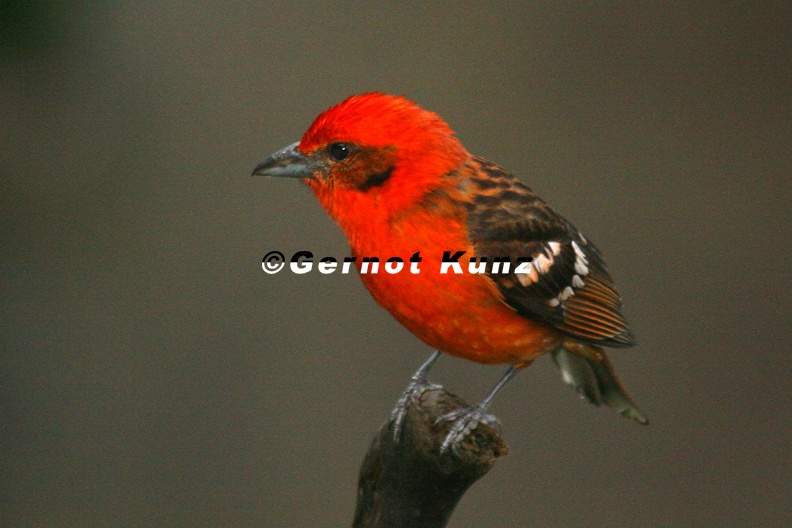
397, 181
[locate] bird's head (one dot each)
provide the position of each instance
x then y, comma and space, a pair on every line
375, 154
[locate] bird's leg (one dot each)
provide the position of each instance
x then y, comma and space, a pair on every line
418, 384
466, 419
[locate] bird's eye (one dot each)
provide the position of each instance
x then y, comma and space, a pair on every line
339, 151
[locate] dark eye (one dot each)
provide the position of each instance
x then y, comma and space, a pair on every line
339, 151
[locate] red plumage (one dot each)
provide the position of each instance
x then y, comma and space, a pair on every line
398, 181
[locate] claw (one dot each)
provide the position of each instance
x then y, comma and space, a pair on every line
411, 395
419, 384
464, 421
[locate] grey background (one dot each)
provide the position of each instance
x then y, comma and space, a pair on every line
153, 375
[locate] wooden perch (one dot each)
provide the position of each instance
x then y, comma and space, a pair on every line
408, 483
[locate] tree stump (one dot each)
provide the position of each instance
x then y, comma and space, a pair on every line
408, 483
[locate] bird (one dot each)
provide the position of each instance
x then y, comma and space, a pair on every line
400, 184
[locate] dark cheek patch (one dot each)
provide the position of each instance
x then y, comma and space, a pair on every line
369, 168
375, 179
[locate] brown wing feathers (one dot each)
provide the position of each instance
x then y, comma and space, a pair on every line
566, 285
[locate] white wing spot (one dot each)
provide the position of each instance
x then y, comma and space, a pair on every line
525, 278
566, 294
577, 282
555, 247
581, 262
542, 263
579, 252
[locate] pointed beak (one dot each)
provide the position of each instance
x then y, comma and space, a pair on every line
288, 162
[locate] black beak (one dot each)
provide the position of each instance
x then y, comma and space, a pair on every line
286, 163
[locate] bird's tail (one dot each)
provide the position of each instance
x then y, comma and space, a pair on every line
589, 372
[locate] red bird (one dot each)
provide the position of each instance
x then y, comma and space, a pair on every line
398, 182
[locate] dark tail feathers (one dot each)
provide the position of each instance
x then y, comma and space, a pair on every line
595, 381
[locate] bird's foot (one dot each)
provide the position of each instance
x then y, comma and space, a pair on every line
419, 384
464, 421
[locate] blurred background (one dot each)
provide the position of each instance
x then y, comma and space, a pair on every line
153, 375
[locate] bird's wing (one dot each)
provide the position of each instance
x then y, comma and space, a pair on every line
565, 285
